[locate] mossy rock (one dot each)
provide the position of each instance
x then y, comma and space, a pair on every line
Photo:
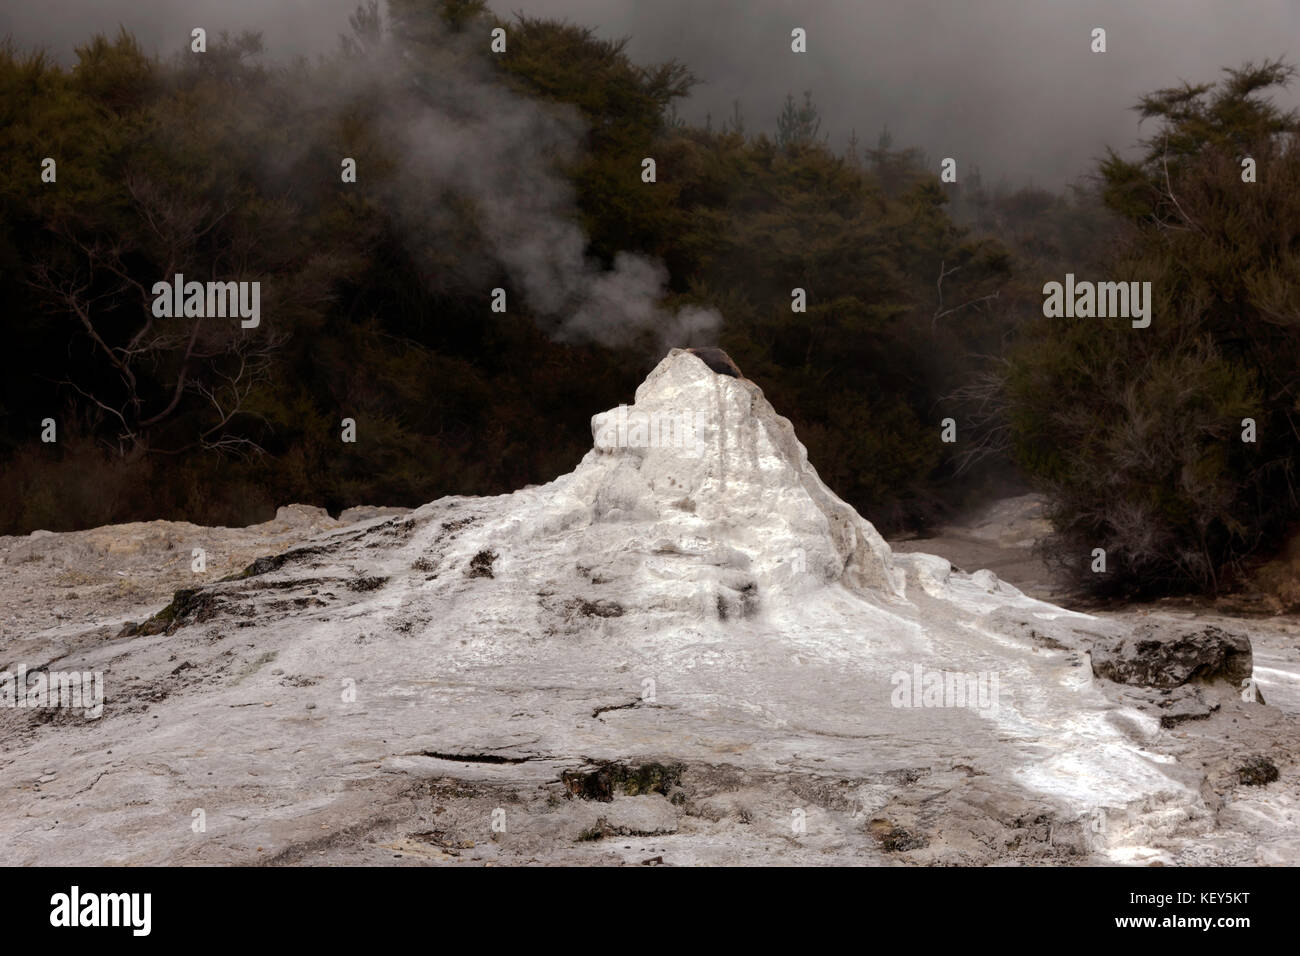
610, 778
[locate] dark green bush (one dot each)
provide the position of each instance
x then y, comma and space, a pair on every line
376, 293
1137, 434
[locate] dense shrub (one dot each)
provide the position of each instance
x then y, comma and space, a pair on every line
1138, 433
376, 293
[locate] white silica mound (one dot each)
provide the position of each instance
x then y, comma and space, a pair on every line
691, 596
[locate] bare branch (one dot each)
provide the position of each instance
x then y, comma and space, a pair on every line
940, 311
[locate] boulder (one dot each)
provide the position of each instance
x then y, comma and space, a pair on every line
1169, 654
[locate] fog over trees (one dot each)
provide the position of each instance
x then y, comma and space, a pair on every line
501, 266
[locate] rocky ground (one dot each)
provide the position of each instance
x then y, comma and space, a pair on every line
661, 658
1002, 538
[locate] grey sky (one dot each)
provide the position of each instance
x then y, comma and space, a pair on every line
1009, 85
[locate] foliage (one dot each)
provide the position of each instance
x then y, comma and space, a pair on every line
1138, 433
373, 295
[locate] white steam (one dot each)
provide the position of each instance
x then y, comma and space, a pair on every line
466, 135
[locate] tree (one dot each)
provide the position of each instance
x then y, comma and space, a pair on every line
1139, 434
798, 126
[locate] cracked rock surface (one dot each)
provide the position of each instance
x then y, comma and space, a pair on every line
687, 650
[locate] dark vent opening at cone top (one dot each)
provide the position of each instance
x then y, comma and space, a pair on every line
717, 360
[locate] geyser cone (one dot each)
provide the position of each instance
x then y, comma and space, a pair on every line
691, 598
